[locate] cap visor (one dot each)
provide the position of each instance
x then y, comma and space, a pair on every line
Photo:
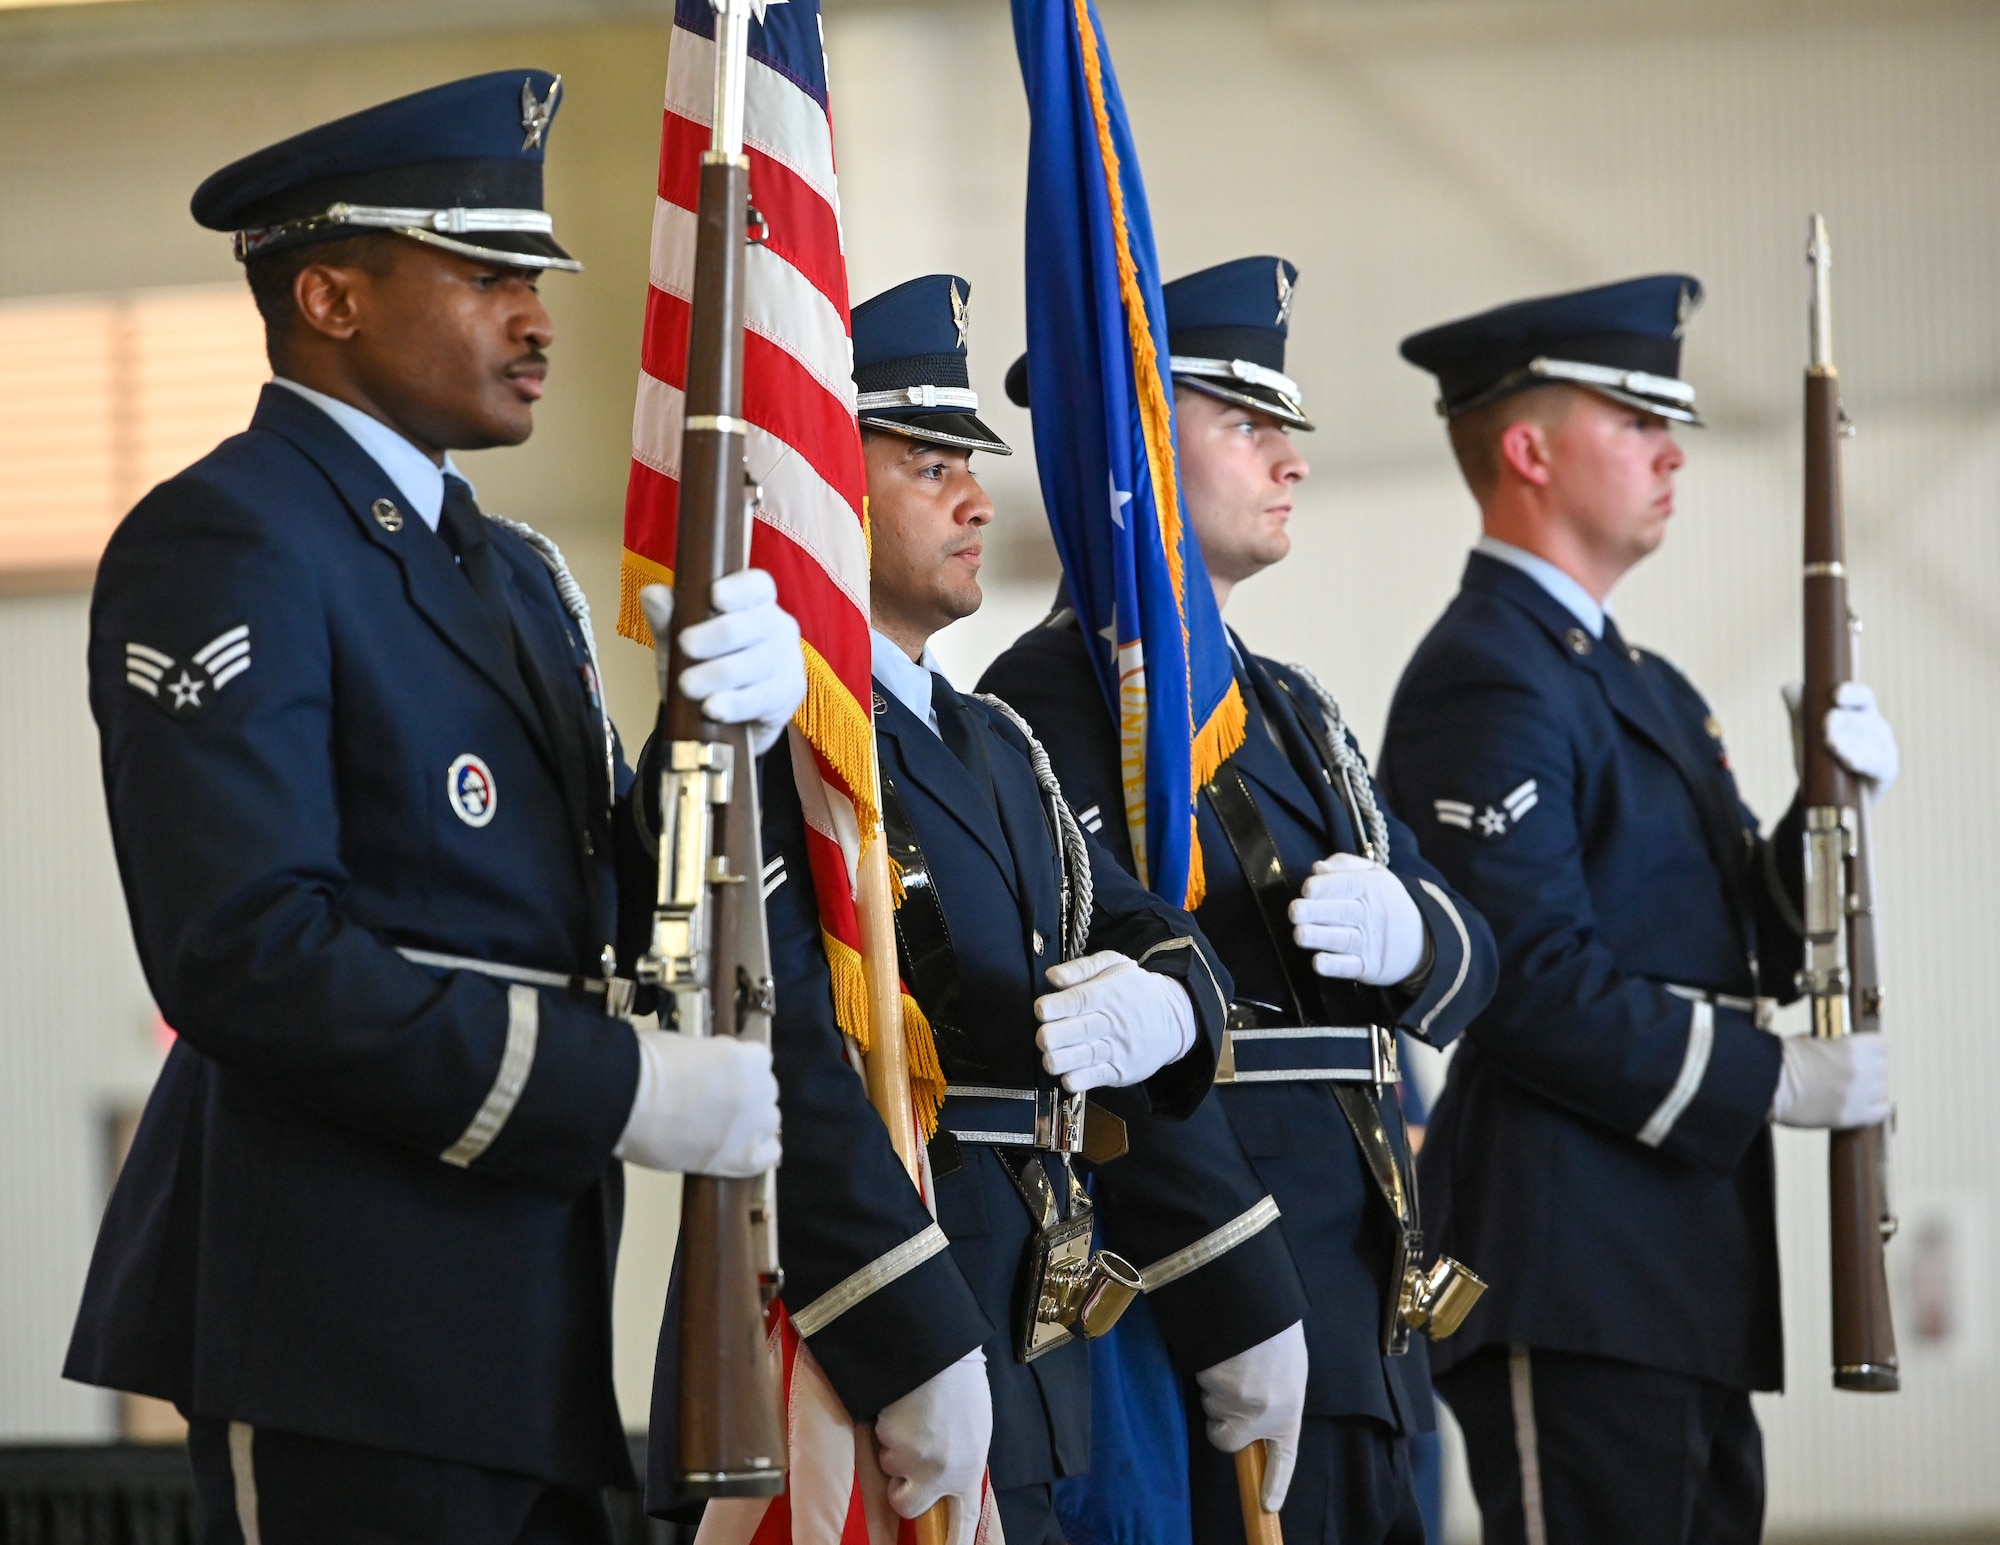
1679, 412
960, 430
517, 249
1247, 394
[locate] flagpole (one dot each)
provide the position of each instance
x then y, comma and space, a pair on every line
886, 1067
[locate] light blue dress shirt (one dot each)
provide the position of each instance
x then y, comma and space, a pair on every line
1580, 603
909, 680
416, 476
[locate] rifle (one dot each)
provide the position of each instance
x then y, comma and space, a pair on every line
1842, 972
710, 955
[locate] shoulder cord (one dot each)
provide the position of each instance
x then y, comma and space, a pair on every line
1351, 765
570, 593
1078, 886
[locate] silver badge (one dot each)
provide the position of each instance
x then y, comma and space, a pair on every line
387, 516
1284, 296
961, 313
535, 115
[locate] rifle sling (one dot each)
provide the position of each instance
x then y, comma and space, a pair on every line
1273, 889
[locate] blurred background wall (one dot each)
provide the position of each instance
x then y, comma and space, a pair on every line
1418, 159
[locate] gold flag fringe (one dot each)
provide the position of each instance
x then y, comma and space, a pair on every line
843, 731
635, 573
850, 1011
1217, 742
926, 1072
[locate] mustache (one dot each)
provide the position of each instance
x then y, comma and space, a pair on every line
534, 357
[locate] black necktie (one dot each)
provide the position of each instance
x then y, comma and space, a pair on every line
958, 730
464, 531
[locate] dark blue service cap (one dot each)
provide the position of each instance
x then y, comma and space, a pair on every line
458, 166
909, 365
1226, 330
1623, 340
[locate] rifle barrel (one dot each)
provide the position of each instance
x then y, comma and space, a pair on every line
1840, 964
712, 951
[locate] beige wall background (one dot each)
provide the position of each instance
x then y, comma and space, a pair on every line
1417, 160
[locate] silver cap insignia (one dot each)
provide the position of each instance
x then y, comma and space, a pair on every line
961, 313
535, 115
1284, 297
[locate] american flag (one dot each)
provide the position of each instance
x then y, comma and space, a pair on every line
804, 450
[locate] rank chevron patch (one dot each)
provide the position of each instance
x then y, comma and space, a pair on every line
1490, 822
184, 689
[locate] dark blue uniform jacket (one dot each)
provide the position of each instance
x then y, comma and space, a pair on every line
288, 1244
1601, 1153
844, 1202
1293, 1135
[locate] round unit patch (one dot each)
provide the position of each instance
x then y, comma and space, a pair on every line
470, 788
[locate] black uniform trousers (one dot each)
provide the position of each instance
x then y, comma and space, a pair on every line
1353, 1485
282, 1488
1572, 1450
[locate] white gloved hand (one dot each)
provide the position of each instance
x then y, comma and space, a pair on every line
1111, 1022
933, 1444
1856, 733
1838, 1082
753, 671
1260, 1393
706, 1105
1860, 738
1359, 921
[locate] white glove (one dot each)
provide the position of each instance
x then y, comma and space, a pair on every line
706, 1105
1838, 1082
753, 672
1360, 921
933, 1444
1856, 733
1260, 1393
1112, 1022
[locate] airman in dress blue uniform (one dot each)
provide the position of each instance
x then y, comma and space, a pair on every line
1314, 933
373, 827
1602, 1148
918, 1321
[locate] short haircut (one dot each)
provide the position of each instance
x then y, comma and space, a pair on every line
1475, 436
272, 279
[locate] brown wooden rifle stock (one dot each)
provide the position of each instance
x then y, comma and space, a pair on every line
1841, 972
710, 956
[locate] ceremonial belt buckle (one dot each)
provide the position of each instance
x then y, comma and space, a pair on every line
1059, 1121
1068, 1292
1051, 1120
1254, 1052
